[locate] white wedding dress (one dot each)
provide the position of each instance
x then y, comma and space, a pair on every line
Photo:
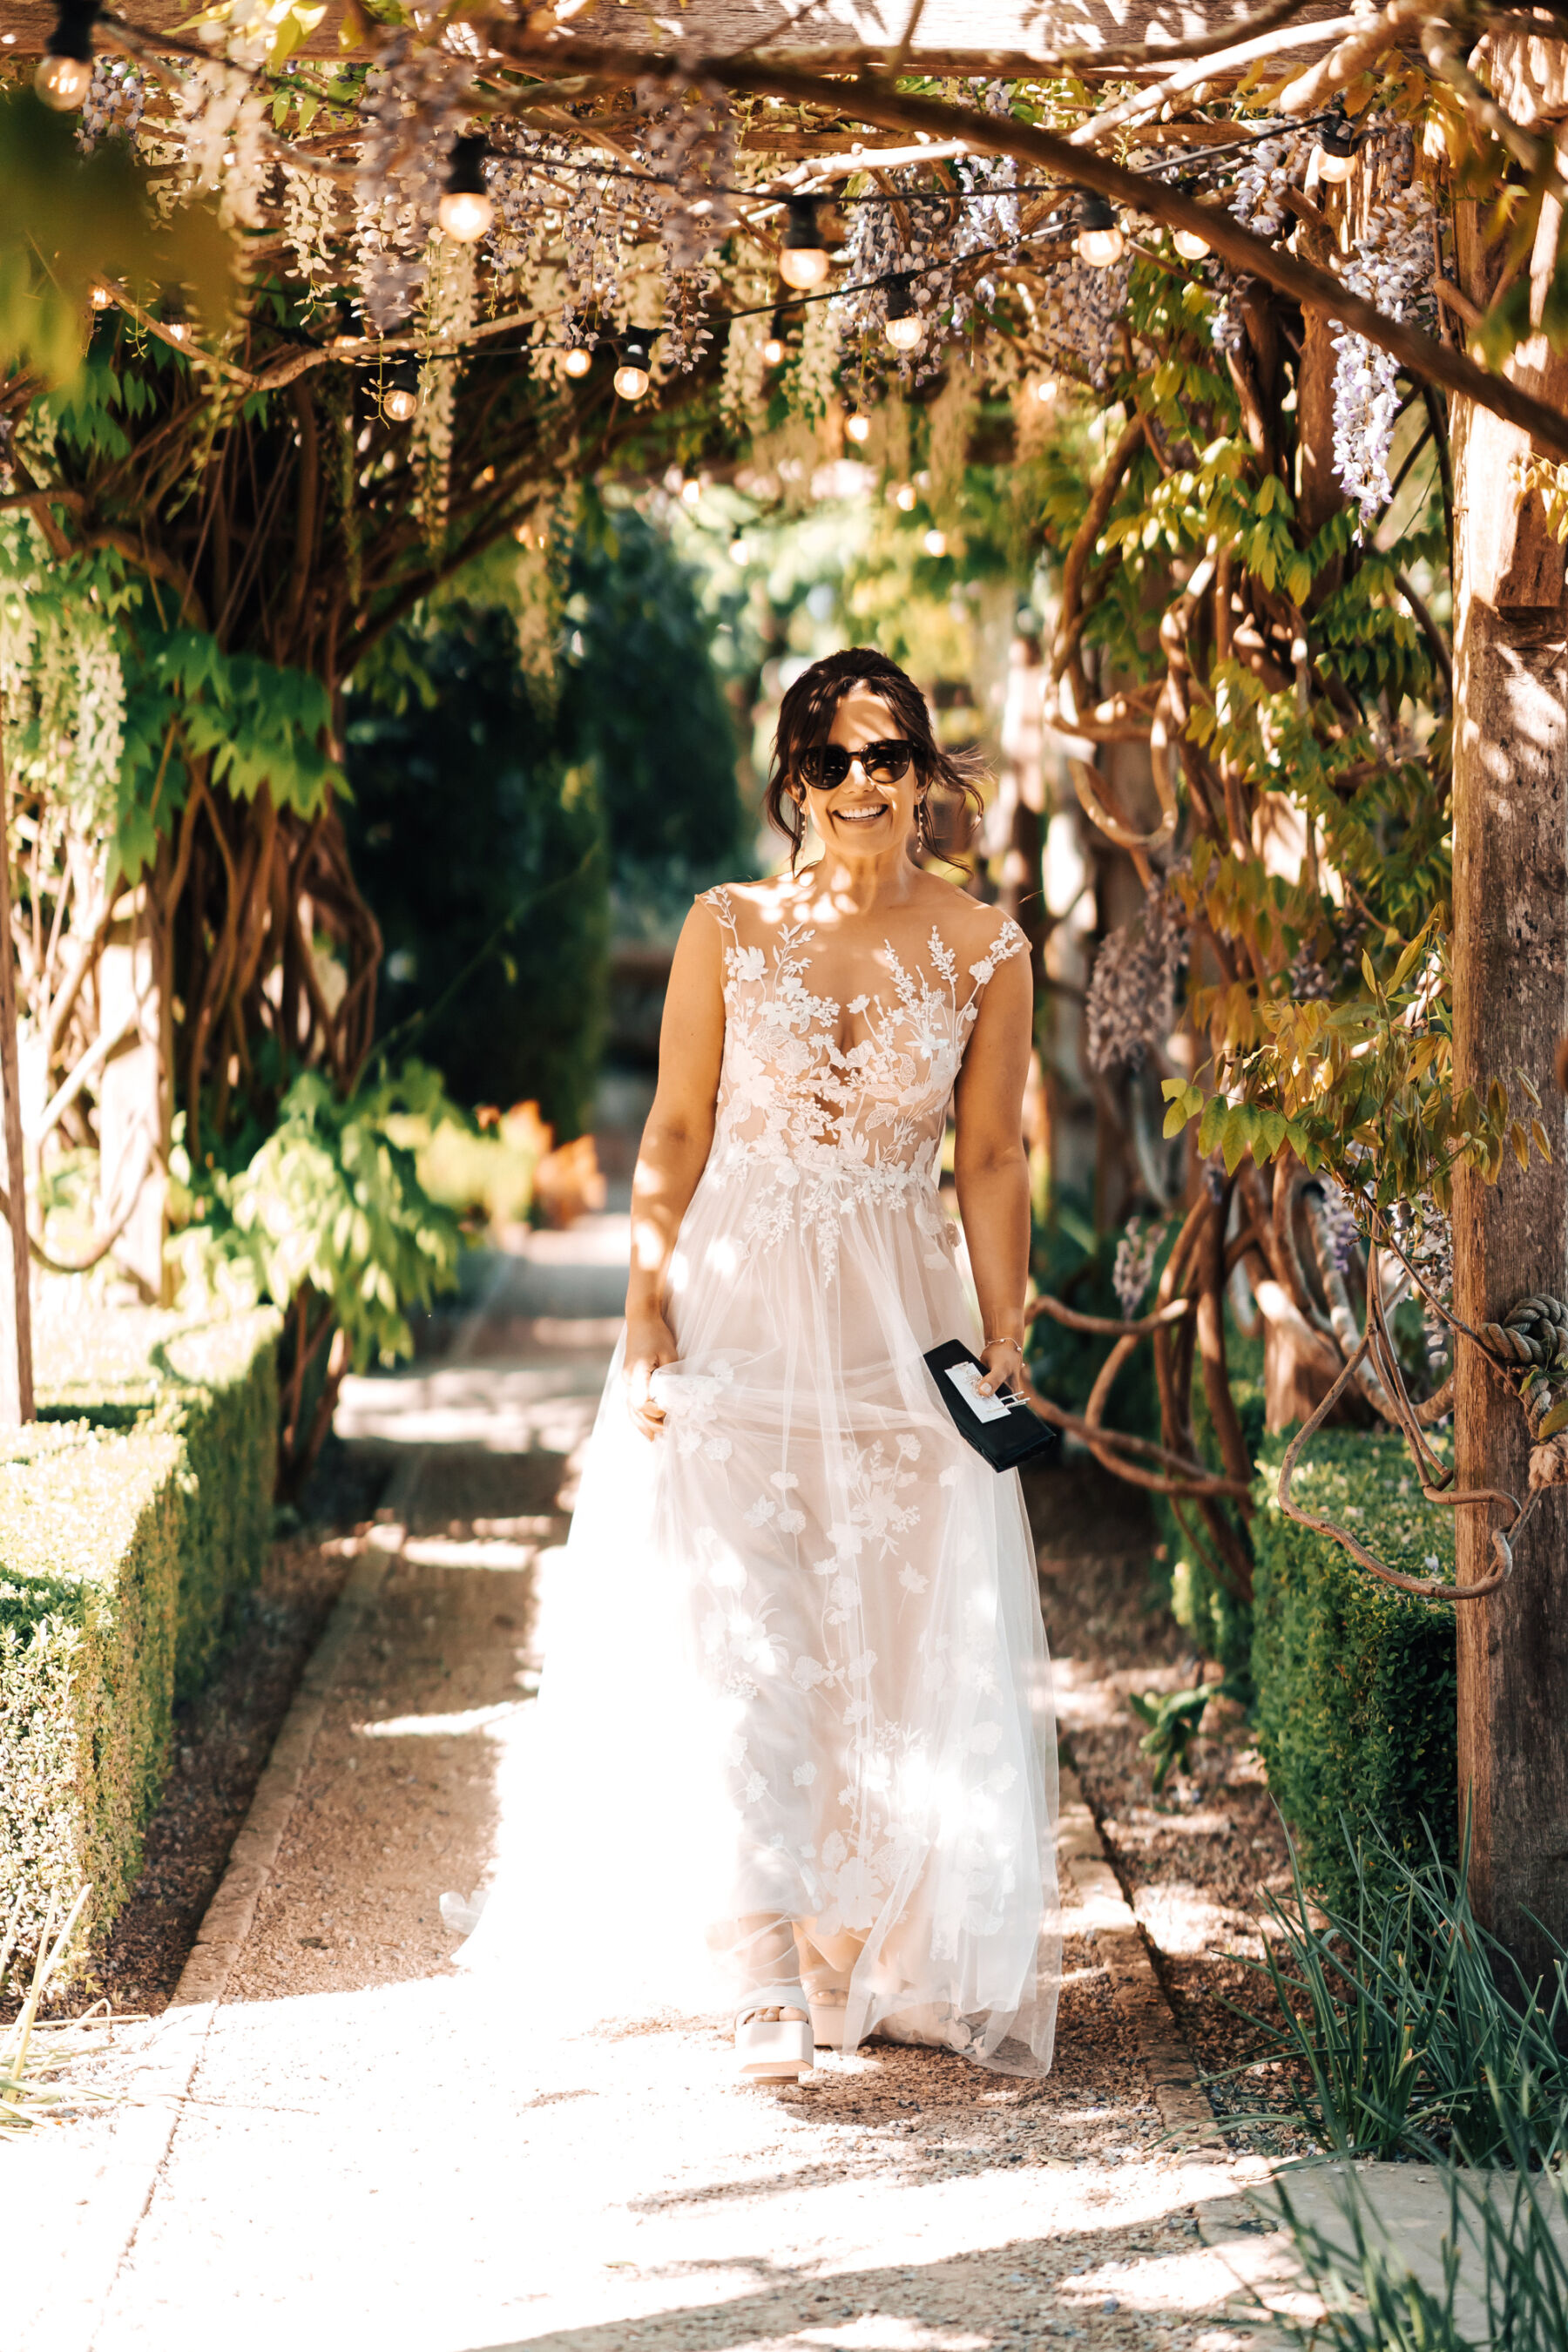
796, 1670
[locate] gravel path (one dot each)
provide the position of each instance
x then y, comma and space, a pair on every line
365, 2145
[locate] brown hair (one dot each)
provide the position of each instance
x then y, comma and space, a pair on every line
805, 721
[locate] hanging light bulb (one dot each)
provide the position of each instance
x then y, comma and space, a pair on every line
858, 427
100, 298
802, 258
905, 326
739, 552
1187, 242
935, 542
906, 501
777, 344
400, 397
632, 376
1336, 150
64, 73
579, 358
1099, 240
465, 211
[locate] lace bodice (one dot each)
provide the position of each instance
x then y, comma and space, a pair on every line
838, 1125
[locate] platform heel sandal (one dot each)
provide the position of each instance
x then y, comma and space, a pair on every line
774, 2038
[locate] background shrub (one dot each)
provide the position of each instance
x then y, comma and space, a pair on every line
1356, 1682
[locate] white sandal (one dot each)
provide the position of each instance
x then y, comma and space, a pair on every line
829, 2010
776, 2047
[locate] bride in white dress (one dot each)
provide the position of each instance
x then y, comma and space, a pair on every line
794, 1746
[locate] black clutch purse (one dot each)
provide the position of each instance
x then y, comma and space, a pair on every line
1002, 1428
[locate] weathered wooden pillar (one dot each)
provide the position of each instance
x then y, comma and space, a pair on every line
1510, 1009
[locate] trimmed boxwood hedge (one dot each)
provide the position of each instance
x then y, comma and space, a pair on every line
132, 1513
214, 1385
92, 1527
1355, 1681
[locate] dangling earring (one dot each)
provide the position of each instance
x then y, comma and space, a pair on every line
921, 826
797, 835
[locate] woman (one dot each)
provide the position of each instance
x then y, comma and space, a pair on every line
807, 1623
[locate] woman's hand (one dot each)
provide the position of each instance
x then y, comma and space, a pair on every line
650, 1343
1004, 1361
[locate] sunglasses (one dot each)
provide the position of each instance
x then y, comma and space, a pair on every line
825, 767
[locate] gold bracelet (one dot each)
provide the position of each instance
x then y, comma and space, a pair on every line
1005, 1341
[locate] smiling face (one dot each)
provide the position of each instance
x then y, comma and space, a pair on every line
866, 815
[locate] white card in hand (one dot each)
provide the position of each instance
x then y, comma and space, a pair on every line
966, 1380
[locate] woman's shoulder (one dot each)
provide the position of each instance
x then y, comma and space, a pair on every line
977, 933
767, 901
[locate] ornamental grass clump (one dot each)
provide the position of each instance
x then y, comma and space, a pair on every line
1406, 2029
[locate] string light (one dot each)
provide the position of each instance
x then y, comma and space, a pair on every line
1187, 242
905, 500
1336, 151
1099, 240
400, 398
858, 427
100, 298
579, 358
905, 326
739, 552
632, 376
465, 211
935, 542
64, 72
777, 344
802, 258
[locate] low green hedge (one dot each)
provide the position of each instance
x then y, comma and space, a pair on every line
1355, 1681
93, 1524
212, 1384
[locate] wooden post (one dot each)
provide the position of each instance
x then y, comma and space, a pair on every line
16, 1293
1510, 1009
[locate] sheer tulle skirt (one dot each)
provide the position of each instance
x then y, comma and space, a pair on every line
796, 1723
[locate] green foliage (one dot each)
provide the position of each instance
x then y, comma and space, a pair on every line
1174, 1719
253, 725
482, 847
214, 1385
331, 1203
1327, 700
1355, 1681
92, 1527
1216, 1619
640, 699
1406, 2026
68, 218
1073, 1264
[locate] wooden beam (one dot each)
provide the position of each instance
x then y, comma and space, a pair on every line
951, 36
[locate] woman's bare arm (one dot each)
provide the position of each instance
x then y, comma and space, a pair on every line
674, 1146
991, 1166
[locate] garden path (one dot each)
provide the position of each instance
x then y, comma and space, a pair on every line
353, 2144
